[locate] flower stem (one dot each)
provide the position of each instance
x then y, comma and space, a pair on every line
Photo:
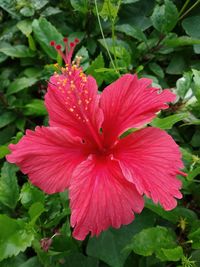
113, 29
190, 9
101, 29
183, 7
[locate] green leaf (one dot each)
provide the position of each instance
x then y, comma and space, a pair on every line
168, 122
192, 174
173, 215
20, 123
177, 64
35, 107
6, 118
44, 33
165, 17
109, 10
39, 4
49, 11
132, 31
184, 84
9, 189
25, 26
14, 261
196, 87
172, 254
137, 14
3, 57
4, 151
109, 245
30, 194
156, 69
20, 84
195, 141
35, 211
154, 240
27, 11
97, 64
194, 235
80, 5
79, 260
195, 256
10, 7
121, 49
19, 51
181, 41
15, 237
7, 133
191, 25
32, 262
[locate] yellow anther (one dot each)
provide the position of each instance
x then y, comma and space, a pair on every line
78, 60
71, 109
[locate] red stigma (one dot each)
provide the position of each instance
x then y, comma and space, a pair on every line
58, 47
68, 49
52, 43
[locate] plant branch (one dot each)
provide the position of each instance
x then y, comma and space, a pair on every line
102, 33
190, 9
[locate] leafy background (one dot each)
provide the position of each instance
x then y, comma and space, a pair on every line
156, 39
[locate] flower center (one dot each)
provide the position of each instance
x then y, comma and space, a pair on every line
72, 83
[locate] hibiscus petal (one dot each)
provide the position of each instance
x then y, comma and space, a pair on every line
48, 155
151, 160
73, 103
100, 197
130, 102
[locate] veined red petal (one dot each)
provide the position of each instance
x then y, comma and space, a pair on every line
151, 160
73, 104
100, 197
130, 102
48, 155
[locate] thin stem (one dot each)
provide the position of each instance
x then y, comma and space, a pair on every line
101, 29
195, 4
183, 7
113, 29
113, 43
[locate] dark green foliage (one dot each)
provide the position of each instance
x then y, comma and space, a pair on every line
156, 39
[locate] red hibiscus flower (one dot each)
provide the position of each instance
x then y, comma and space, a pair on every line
82, 149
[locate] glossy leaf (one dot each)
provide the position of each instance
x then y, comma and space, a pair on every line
15, 236
110, 244
165, 17
36, 108
158, 240
9, 189
168, 122
20, 84
30, 194
44, 33
18, 51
